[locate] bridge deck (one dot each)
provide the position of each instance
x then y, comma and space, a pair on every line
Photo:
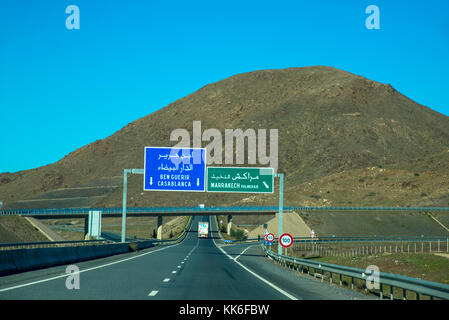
187, 211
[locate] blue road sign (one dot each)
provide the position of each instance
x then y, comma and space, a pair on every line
269, 243
174, 169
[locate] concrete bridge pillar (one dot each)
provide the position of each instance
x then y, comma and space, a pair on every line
229, 224
86, 227
159, 227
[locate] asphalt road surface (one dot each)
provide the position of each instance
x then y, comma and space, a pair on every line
195, 269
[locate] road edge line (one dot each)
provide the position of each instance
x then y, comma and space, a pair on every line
288, 295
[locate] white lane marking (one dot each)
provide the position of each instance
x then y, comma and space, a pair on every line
223, 251
268, 282
255, 274
182, 262
174, 271
89, 269
166, 280
242, 253
178, 267
153, 293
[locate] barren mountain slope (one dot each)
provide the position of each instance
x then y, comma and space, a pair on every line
332, 125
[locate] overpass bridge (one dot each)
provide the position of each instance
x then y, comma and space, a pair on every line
54, 213
64, 213
159, 212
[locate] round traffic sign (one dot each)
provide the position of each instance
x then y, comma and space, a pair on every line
265, 237
270, 237
286, 240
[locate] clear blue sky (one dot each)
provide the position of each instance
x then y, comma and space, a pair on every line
61, 89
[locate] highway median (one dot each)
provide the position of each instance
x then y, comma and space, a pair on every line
21, 260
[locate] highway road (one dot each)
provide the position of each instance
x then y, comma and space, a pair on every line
194, 269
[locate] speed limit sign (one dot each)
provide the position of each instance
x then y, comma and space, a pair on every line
270, 237
286, 240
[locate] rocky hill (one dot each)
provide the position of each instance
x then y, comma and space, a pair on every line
343, 140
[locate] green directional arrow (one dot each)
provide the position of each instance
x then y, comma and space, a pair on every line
240, 179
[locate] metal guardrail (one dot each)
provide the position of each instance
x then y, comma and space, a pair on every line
423, 287
368, 208
370, 239
240, 209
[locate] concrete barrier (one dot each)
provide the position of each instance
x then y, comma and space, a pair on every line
20, 260
110, 249
85, 253
7, 263
41, 257
144, 244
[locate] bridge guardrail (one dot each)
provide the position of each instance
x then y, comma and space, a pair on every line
429, 288
155, 210
217, 209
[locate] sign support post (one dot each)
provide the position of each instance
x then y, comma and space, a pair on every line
125, 190
286, 240
281, 208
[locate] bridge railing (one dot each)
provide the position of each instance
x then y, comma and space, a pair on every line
212, 209
143, 210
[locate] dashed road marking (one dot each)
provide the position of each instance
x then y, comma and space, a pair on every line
166, 280
153, 293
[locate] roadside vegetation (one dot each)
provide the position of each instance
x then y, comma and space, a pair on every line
235, 234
